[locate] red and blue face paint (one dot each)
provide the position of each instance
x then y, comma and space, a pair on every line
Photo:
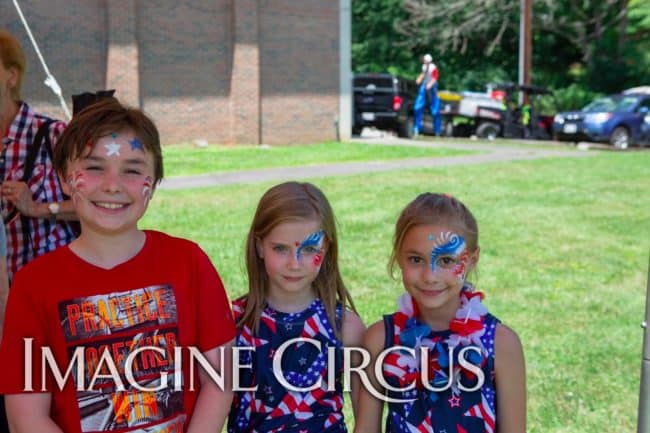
76, 180
449, 254
77, 177
146, 187
136, 144
312, 246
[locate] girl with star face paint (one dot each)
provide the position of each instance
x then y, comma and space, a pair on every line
451, 363
295, 292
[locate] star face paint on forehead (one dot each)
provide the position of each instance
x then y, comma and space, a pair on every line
449, 253
113, 148
314, 240
136, 144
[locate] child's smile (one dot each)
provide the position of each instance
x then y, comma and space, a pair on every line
112, 185
434, 260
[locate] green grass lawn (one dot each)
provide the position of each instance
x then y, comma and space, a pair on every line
564, 262
185, 160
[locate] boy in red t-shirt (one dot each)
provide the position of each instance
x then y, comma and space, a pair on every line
119, 317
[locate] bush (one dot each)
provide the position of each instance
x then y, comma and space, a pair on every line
573, 97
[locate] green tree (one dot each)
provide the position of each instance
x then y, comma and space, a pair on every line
376, 45
580, 48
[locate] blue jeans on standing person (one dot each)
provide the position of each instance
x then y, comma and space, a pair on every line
434, 106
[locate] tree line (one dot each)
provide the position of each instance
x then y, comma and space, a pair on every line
580, 48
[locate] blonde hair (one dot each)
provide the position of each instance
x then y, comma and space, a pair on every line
286, 202
13, 56
433, 208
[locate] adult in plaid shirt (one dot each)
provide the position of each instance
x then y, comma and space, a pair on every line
36, 212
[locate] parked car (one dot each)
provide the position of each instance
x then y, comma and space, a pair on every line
616, 119
384, 101
645, 130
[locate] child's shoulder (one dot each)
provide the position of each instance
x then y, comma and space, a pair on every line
57, 259
158, 238
352, 318
506, 341
374, 339
42, 273
164, 243
239, 306
240, 303
353, 328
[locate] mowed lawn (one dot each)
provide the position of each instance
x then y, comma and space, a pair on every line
185, 160
564, 261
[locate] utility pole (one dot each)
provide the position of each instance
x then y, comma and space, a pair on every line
525, 45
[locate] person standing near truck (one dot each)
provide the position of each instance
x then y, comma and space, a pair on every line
427, 92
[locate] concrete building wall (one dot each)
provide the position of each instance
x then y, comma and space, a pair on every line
227, 71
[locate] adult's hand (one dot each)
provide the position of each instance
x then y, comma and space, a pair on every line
19, 194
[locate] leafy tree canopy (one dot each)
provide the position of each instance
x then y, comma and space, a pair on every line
580, 48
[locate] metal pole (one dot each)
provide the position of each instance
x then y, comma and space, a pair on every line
643, 422
50, 81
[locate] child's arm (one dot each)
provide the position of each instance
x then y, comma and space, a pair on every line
213, 403
510, 374
353, 329
28, 413
370, 407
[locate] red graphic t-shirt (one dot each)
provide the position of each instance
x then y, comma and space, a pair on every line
168, 296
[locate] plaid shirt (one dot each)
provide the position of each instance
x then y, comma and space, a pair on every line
44, 234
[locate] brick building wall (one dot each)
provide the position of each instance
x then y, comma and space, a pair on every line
227, 71
300, 69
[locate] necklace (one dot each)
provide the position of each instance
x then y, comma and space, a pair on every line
465, 330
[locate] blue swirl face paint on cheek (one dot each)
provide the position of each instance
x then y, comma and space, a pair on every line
451, 245
314, 240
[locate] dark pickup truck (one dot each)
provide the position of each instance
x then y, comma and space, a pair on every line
384, 101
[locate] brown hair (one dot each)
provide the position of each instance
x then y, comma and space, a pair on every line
285, 202
434, 208
99, 120
13, 56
